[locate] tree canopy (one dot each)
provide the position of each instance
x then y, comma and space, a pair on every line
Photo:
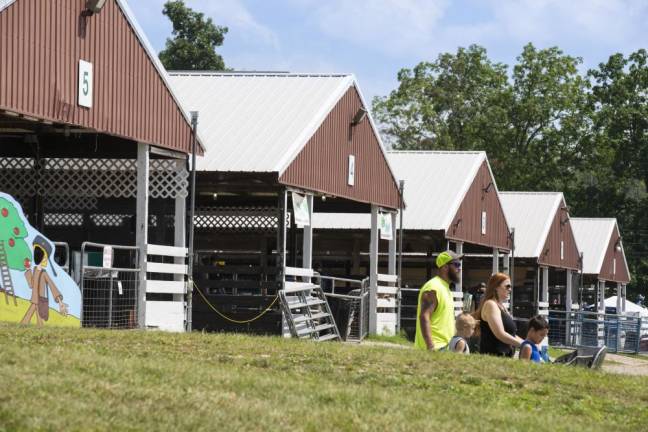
544, 124
194, 42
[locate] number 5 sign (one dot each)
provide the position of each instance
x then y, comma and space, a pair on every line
85, 84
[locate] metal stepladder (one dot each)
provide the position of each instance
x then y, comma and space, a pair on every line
305, 307
7, 284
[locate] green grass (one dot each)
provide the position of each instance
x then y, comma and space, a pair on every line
557, 352
78, 379
399, 339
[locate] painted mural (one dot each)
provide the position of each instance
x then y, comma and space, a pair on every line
33, 288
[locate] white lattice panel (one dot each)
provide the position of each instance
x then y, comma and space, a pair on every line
98, 178
166, 180
63, 219
114, 178
236, 218
116, 220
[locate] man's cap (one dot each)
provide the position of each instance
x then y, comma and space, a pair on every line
447, 257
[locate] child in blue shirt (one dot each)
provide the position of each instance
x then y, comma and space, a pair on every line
538, 329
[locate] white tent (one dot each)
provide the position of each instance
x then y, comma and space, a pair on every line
632, 308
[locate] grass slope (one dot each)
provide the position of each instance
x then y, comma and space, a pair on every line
79, 379
11, 313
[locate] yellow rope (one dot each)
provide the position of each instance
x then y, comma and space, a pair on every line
228, 318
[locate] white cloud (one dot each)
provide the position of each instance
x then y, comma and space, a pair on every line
241, 23
607, 22
423, 28
230, 13
374, 38
391, 26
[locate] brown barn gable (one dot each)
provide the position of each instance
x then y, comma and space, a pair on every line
322, 164
560, 231
41, 44
614, 267
481, 197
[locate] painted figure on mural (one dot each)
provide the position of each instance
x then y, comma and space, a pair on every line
32, 283
42, 284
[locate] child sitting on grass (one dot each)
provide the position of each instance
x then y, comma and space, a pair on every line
465, 325
537, 330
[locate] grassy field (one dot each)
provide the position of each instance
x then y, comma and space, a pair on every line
78, 379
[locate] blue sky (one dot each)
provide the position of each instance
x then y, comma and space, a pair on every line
375, 38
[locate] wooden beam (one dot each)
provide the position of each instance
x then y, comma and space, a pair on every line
141, 228
373, 271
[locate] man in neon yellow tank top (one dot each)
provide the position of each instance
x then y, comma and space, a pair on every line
435, 318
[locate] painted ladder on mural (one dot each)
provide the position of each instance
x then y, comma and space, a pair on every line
5, 275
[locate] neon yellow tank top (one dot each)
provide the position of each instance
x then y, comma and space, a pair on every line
442, 320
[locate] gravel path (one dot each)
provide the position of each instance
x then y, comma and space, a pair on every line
626, 365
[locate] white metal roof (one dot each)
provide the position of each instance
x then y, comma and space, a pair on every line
435, 185
530, 214
629, 306
593, 237
342, 220
5, 4
257, 122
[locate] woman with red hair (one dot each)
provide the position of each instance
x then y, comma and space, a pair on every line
496, 324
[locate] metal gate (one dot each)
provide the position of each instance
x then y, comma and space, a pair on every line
109, 282
619, 333
351, 310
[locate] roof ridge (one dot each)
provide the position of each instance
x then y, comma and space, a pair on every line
530, 192
281, 74
437, 151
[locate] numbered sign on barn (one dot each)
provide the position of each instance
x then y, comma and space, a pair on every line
85, 84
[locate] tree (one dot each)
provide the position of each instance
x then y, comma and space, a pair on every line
546, 127
12, 236
194, 40
617, 171
455, 102
531, 125
547, 122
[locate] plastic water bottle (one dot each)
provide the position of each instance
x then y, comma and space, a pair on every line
544, 353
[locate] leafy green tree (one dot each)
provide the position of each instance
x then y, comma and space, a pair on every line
531, 124
455, 102
547, 122
545, 127
194, 40
616, 175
